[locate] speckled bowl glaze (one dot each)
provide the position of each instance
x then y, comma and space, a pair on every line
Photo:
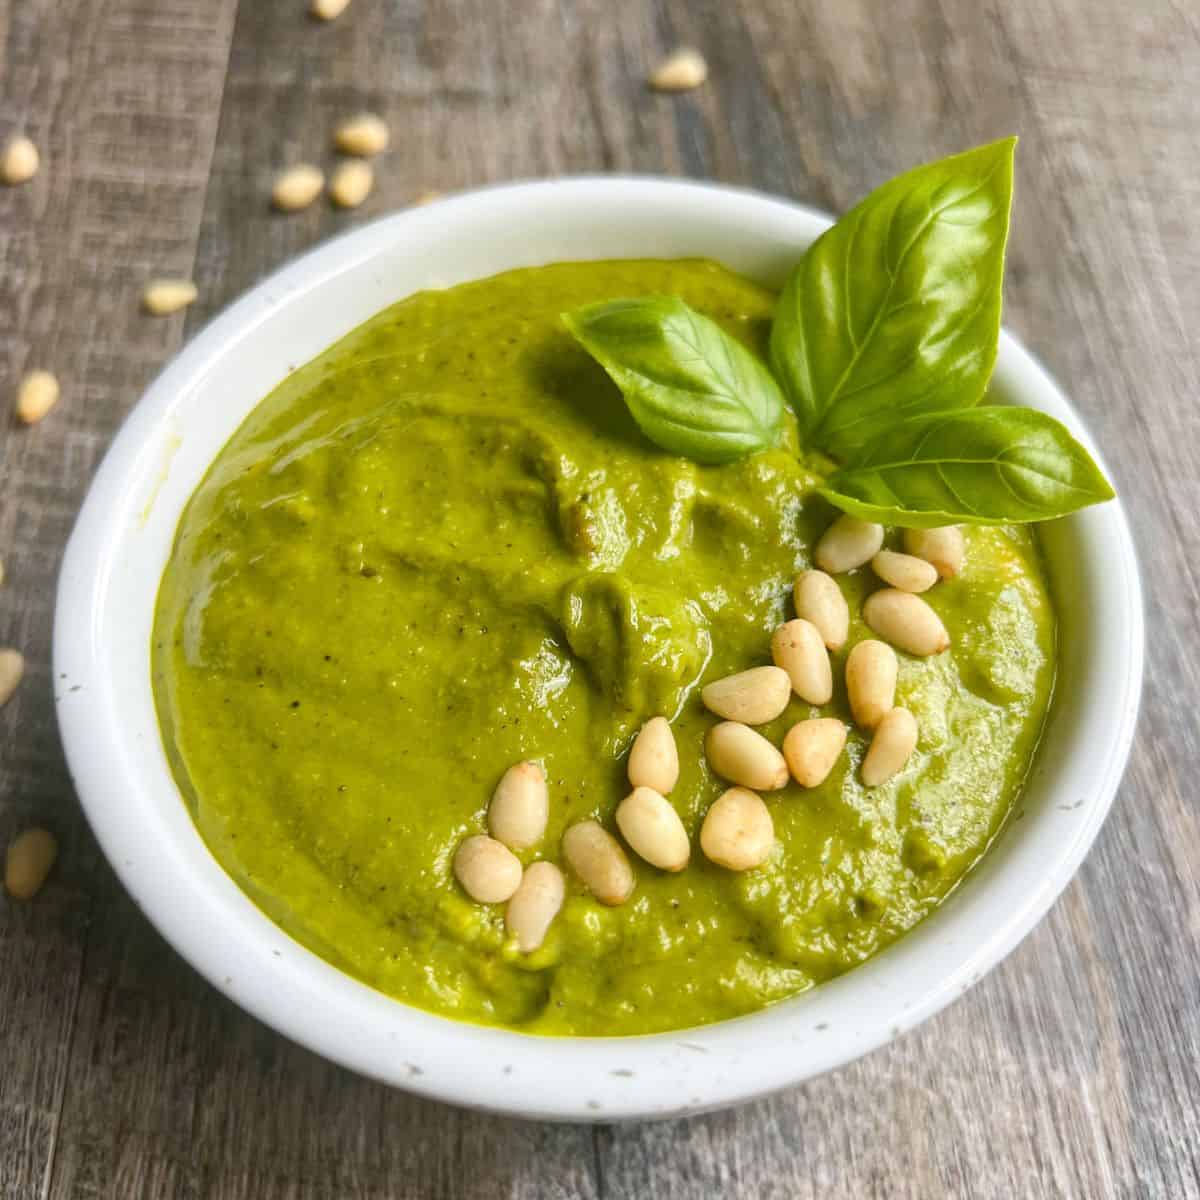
106, 710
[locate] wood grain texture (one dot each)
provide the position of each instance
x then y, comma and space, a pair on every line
1072, 1070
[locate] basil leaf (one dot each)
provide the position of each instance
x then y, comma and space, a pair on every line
980, 466
895, 311
692, 388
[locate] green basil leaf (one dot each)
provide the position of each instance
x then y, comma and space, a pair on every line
979, 466
692, 388
895, 311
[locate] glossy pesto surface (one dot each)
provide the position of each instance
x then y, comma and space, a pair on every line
444, 546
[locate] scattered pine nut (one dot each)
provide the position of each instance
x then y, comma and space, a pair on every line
753, 697
942, 546
364, 135
892, 746
165, 296
906, 621
811, 749
30, 856
520, 807
297, 187
12, 669
487, 869
738, 832
534, 905
20, 160
328, 10
743, 756
597, 858
798, 648
871, 670
848, 543
904, 571
37, 394
654, 758
680, 71
423, 198
819, 599
352, 183
653, 829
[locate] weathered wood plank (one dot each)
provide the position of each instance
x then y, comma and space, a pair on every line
117, 97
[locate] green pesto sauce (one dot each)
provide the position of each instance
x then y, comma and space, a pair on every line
442, 547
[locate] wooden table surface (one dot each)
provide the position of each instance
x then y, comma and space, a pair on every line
1072, 1070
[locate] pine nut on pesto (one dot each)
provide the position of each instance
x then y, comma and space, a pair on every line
848, 544
894, 741
904, 571
653, 829
752, 697
534, 905
811, 749
740, 754
798, 648
520, 807
654, 757
906, 621
943, 546
738, 833
818, 599
871, 672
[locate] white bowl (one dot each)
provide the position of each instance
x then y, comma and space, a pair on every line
106, 711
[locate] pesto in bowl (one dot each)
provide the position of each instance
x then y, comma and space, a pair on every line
444, 546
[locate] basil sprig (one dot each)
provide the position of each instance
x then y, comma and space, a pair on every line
895, 310
692, 388
883, 340
981, 466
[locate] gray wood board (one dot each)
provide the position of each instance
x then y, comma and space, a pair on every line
1070, 1071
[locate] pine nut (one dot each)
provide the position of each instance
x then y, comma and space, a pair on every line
753, 697
812, 748
848, 543
165, 296
37, 394
819, 600
423, 198
364, 135
597, 858
904, 571
654, 759
534, 905
30, 856
653, 829
942, 546
352, 183
740, 754
297, 187
328, 10
520, 807
871, 670
737, 832
798, 648
487, 869
20, 160
680, 72
894, 741
906, 621
12, 668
